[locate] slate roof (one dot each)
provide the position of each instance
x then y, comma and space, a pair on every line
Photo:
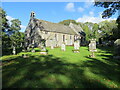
59, 28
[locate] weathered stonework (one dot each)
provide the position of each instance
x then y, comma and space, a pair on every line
53, 33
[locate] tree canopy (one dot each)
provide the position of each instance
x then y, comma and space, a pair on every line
11, 35
111, 7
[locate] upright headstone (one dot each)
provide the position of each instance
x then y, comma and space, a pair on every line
52, 47
117, 49
63, 47
28, 48
43, 48
76, 46
14, 51
33, 46
52, 44
32, 49
92, 47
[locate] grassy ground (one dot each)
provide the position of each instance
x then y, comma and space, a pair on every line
62, 69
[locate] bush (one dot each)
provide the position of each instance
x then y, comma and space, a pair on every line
8, 51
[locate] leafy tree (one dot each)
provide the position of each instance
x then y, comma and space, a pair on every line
86, 30
15, 36
95, 31
111, 9
4, 25
15, 26
67, 22
10, 34
108, 29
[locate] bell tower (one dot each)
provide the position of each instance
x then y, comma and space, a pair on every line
32, 15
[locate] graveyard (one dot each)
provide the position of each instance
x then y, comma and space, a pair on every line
60, 45
62, 69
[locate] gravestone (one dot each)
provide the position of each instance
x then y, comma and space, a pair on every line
63, 47
52, 47
32, 49
14, 51
117, 49
25, 55
33, 46
43, 48
76, 47
92, 47
28, 47
52, 44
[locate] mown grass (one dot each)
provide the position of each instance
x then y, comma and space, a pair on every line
62, 69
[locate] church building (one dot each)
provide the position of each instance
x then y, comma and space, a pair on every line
54, 34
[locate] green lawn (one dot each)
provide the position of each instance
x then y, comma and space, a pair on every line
62, 69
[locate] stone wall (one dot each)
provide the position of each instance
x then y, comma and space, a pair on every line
36, 33
56, 39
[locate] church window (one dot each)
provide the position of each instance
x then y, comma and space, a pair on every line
46, 32
70, 37
56, 37
63, 38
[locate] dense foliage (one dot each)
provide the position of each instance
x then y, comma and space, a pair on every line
110, 9
11, 35
105, 30
67, 22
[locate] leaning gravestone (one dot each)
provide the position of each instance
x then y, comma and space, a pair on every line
92, 47
63, 48
76, 47
117, 49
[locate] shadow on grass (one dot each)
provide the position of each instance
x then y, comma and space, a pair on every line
110, 58
46, 72
107, 68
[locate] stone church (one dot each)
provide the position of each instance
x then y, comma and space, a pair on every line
53, 34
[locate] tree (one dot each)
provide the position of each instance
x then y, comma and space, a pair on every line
4, 25
86, 30
95, 31
15, 36
108, 30
15, 26
11, 37
67, 22
111, 9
